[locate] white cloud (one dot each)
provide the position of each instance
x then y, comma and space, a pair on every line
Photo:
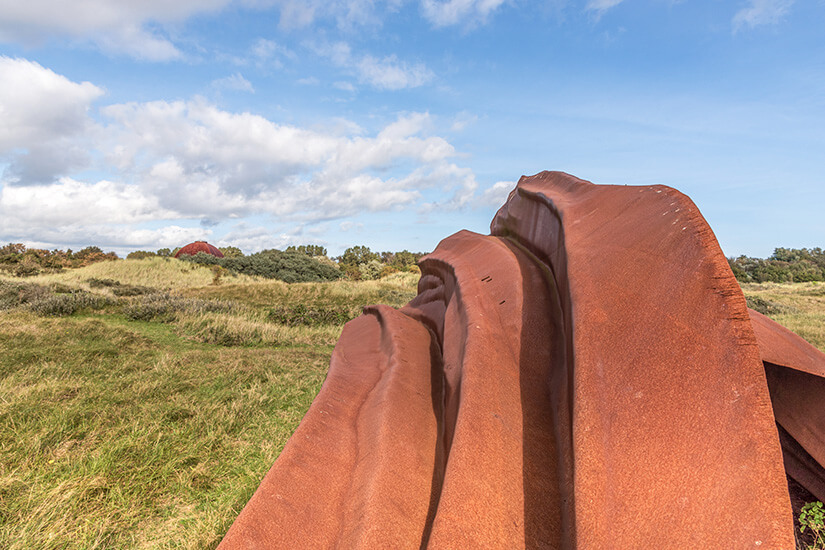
297, 14
387, 73
251, 239
45, 122
454, 12
390, 74
115, 25
190, 160
350, 226
229, 164
761, 12
600, 7
462, 120
497, 194
234, 82
68, 201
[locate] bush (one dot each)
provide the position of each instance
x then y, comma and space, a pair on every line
164, 307
140, 255
784, 266
290, 267
371, 270
13, 294
62, 305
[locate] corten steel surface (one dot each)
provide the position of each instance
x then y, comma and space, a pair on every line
198, 246
587, 376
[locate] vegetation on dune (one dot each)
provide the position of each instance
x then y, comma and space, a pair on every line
799, 306
147, 416
16, 259
785, 265
290, 267
143, 400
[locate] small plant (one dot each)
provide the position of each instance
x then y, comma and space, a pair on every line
63, 305
812, 517
165, 307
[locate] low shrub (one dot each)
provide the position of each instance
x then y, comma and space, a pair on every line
62, 305
164, 307
13, 294
767, 307
290, 267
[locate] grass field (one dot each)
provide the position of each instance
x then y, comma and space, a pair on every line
141, 404
798, 306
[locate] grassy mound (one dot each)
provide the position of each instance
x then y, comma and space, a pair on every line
145, 407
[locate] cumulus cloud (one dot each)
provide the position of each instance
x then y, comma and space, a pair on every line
45, 123
496, 195
69, 201
169, 161
454, 12
235, 164
386, 73
761, 12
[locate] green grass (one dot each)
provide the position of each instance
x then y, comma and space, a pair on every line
124, 433
147, 419
798, 306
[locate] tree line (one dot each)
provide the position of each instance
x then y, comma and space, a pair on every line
785, 265
20, 261
302, 263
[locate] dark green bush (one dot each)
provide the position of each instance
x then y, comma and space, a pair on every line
290, 267
786, 265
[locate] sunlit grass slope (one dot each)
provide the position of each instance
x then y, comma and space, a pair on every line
146, 414
798, 306
147, 420
159, 273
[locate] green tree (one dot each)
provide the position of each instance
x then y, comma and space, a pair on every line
357, 255
231, 252
308, 249
371, 270
140, 254
164, 252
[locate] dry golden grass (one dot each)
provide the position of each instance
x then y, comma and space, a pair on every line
159, 273
799, 307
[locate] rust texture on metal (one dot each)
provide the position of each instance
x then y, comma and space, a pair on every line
586, 376
198, 246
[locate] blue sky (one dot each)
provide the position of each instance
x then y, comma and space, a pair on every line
264, 123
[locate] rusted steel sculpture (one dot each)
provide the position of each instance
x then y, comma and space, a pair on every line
198, 246
587, 376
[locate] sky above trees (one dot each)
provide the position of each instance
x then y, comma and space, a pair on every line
392, 124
